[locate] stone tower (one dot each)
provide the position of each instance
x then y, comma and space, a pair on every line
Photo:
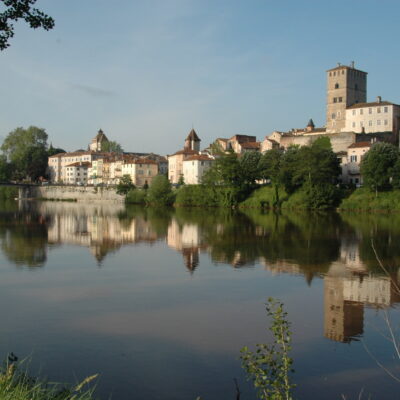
345, 87
192, 142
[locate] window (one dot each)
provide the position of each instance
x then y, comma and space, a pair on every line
353, 124
333, 116
338, 114
386, 121
369, 123
342, 71
354, 112
385, 109
370, 111
361, 111
353, 158
340, 99
335, 99
336, 86
378, 109
378, 122
361, 124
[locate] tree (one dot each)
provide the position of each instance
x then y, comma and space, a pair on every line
224, 171
111, 147
5, 169
249, 167
288, 169
160, 191
21, 9
26, 149
317, 164
125, 185
377, 166
270, 169
181, 180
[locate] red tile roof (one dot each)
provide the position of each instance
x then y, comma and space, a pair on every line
360, 144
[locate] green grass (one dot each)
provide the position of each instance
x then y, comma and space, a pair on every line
365, 200
263, 197
18, 385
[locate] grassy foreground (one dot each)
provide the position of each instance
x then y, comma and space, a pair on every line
18, 385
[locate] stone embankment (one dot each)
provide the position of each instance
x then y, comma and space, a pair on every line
76, 193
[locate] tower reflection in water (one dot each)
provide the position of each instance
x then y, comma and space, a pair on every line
349, 285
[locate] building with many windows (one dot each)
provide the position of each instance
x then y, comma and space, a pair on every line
378, 116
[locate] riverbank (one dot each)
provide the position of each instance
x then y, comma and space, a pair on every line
16, 384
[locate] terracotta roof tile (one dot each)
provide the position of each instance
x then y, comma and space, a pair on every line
360, 144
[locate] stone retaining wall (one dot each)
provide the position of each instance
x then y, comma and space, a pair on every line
79, 193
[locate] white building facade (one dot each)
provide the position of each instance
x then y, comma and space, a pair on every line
194, 168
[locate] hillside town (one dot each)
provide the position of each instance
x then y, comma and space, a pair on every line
352, 124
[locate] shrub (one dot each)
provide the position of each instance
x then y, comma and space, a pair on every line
136, 196
160, 192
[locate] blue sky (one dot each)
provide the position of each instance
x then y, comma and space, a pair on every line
146, 71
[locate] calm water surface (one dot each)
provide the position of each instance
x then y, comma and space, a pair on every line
161, 302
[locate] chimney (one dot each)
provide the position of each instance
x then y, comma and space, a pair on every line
338, 64
378, 99
352, 64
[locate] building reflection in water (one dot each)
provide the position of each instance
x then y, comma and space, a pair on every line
96, 227
349, 286
188, 240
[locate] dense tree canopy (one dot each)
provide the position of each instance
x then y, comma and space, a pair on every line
377, 165
125, 185
26, 150
21, 9
160, 191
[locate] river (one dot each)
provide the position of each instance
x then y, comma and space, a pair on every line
160, 302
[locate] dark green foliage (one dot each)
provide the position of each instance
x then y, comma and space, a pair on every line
378, 165
160, 192
317, 165
26, 150
270, 166
111, 147
290, 160
21, 9
270, 366
206, 196
322, 196
5, 169
136, 196
249, 168
225, 171
181, 181
125, 185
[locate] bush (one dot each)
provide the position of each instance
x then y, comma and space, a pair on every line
206, 196
264, 197
136, 196
364, 199
160, 192
320, 197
